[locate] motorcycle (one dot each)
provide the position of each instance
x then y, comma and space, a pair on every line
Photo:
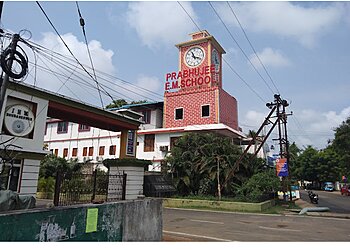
313, 197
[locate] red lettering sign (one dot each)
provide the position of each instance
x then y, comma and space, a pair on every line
188, 78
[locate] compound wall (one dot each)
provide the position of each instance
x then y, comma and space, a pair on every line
136, 220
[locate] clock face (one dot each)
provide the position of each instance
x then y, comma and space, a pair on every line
194, 56
215, 59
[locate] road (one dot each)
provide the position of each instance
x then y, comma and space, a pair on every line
196, 225
336, 202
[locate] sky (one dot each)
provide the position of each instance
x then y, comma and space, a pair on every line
304, 47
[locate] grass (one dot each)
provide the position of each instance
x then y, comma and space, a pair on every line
281, 207
207, 198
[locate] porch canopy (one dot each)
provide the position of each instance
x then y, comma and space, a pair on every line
67, 109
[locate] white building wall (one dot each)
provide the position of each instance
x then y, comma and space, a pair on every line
27, 144
156, 156
75, 139
31, 147
134, 180
156, 120
29, 177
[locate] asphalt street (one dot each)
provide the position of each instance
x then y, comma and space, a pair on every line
336, 202
197, 225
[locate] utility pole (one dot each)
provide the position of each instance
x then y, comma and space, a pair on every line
1, 5
278, 111
9, 63
283, 139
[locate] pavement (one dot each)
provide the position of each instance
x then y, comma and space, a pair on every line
303, 204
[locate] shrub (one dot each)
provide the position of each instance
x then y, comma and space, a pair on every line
259, 185
46, 185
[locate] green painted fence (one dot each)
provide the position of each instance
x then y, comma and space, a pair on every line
89, 223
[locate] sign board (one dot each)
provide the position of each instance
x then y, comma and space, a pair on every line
130, 143
190, 78
282, 167
19, 120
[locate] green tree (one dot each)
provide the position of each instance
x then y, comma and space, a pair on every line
200, 162
294, 153
328, 165
218, 156
117, 103
341, 145
306, 165
51, 164
121, 102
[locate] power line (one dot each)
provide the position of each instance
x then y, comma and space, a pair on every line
67, 45
222, 21
244, 81
230, 67
66, 60
251, 45
189, 16
82, 24
65, 64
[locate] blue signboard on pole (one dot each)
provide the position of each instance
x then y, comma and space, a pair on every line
282, 167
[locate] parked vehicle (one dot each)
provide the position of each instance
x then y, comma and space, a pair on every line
313, 197
345, 190
328, 186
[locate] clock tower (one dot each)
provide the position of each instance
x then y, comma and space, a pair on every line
194, 94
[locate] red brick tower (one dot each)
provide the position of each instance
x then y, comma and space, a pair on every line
194, 94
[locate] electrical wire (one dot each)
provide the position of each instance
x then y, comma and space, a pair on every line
249, 60
229, 65
67, 60
251, 45
68, 47
82, 24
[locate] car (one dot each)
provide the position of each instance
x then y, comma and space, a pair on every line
328, 186
345, 190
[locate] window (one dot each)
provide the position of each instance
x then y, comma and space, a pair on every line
173, 140
101, 150
149, 143
74, 152
84, 151
65, 152
91, 151
179, 114
205, 111
146, 116
83, 128
56, 151
112, 149
62, 127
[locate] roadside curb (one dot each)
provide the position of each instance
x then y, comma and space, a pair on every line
329, 215
303, 204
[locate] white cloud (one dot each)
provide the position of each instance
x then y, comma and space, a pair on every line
270, 57
102, 59
142, 88
68, 72
161, 23
305, 127
252, 120
149, 82
285, 19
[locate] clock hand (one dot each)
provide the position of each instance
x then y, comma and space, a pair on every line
193, 56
